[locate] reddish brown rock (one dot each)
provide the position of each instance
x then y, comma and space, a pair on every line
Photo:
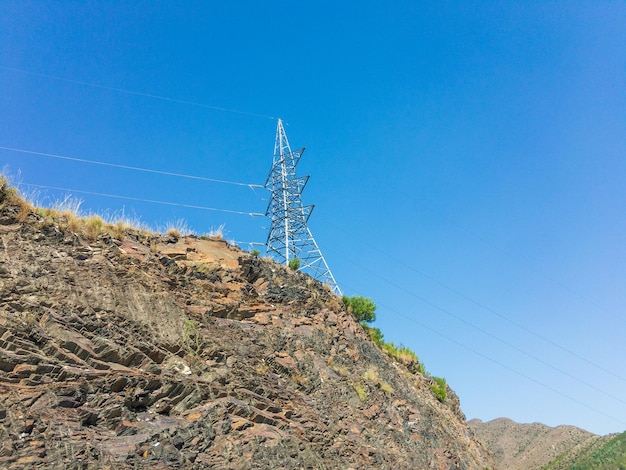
180, 352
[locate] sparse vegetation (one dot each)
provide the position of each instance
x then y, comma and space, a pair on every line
611, 455
362, 308
67, 205
11, 196
119, 229
65, 213
385, 387
371, 375
177, 228
374, 333
294, 264
340, 369
401, 353
439, 388
191, 337
404, 355
92, 227
25, 209
216, 232
360, 391
255, 253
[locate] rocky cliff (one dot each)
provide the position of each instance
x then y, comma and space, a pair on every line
120, 348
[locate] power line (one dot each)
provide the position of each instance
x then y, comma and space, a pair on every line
501, 364
487, 308
481, 238
152, 201
126, 167
486, 333
137, 93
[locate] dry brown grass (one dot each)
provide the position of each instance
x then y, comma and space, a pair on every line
385, 387
65, 213
119, 230
92, 227
25, 209
217, 232
371, 374
177, 228
73, 222
340, 369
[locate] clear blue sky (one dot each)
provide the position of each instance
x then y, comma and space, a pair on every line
467, 162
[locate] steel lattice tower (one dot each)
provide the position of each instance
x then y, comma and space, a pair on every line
289, 235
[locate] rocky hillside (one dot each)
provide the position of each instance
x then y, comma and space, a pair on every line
126, 349
536, 446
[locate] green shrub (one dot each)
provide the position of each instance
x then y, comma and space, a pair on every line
361, 307
439, 388
374, 333
294, 263
255, 253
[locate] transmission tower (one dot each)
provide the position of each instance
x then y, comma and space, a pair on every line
290, 237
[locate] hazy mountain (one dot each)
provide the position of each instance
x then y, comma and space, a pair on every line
536, 446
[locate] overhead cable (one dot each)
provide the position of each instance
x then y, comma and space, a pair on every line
487, 333
137, 93
483, 306
152, 201
127, 167
501, 364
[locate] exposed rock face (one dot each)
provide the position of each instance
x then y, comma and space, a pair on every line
159, 352
533, 446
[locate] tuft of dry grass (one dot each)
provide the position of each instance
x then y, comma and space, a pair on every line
11, 196
360, 391
385, 387
371, 374
262, 368
67, 205
340, 369
92, 227
177, 228
25, 209
217, 232
117, 230
73, 222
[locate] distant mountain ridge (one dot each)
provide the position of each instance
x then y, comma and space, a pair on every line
536, 446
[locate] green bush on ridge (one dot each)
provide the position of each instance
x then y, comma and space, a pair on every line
361, 307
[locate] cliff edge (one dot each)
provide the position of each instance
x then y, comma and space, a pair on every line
126, 349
